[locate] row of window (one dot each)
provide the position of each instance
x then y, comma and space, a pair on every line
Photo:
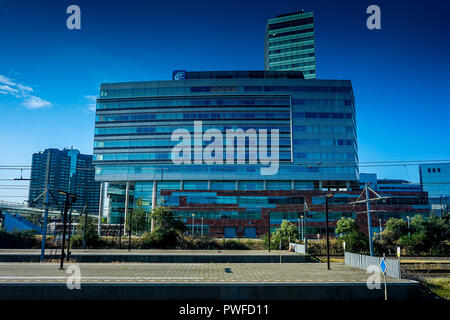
298, 88
322, 115
322, 102
323, 142
298, 59
193, 116
216, 169
164, 156
165, 103
181, 90
308, 74
292, 23
162, 143
319, 156
291, 41
323, 129
290, 49
302, 59
160, 129
288, 33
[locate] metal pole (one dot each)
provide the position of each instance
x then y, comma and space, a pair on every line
129, 229
269, 231
379, 220
298, 224
100, 209
326, 230
409, 231
47, 190
122, 221
127, 192
193, 226
305, 212
369, 221
66, 207
85, 227
70, 232
202, 227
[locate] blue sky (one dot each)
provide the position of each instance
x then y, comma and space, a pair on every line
49, 74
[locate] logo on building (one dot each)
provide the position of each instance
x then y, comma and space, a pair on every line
179, 75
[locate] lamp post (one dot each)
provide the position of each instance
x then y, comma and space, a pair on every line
305, 233
269, 229
193, 215
202, 227
70, 199
326, 229
409, 232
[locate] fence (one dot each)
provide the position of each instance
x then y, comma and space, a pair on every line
298, 248
361, 261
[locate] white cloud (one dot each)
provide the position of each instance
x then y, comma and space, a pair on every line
20, 91
24, 88
8, 89
6, 80
33, 102
92, 102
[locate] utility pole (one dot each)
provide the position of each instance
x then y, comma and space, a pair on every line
130, 229
47, 191
66, 208
193, 215
367, 201
70, 232
379, 220
202, 227
369, 221
269, 230
305, 214
326, 229
85, 225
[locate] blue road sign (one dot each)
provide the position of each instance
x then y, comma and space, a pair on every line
383, 266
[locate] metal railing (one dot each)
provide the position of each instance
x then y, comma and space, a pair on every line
361, 261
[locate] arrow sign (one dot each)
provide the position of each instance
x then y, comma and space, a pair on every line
383, 266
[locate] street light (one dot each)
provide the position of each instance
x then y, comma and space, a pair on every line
72, 197
409, 233
268, 213
193, 215
326, 229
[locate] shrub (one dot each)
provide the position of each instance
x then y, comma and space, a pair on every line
18, 240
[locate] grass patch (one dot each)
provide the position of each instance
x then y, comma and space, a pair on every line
439, 286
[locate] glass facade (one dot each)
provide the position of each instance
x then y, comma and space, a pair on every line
435, 179
290, 45
135, 121
69, 171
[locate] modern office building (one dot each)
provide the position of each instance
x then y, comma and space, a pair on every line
435, 179
317, 148
315, 120
387, 185
69, 170
290, 44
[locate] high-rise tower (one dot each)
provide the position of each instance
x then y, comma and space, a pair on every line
289, 44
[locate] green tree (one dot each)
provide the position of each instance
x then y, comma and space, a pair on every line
163, 218
345, 225
287, 231
92, 238
167, 230
355, 241
138, 216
